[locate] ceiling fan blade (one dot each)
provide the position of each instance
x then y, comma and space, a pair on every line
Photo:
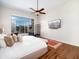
33, 9
41, 9
42, 13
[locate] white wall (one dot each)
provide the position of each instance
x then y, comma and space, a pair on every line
69, 13
0, 15
6, 14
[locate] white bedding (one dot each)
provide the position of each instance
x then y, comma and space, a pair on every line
26, 48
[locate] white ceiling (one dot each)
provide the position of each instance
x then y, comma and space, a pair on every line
26, 4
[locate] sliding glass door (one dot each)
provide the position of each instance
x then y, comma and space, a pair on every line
22, 25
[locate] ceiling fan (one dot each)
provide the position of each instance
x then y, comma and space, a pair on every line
38, 11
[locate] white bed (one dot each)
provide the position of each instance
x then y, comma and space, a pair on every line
30, 48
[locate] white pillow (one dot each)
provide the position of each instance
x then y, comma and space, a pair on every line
2, 42
19, 38
2, 36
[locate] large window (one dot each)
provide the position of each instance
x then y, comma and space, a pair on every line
22, 24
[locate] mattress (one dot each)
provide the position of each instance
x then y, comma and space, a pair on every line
30, 48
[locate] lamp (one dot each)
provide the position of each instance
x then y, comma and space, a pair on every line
37, 13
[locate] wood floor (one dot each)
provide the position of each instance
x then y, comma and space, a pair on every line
64, 51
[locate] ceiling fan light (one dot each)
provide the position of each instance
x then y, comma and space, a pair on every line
37, 13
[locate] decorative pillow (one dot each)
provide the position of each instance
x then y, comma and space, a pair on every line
9, 41
15, 38
19, 38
